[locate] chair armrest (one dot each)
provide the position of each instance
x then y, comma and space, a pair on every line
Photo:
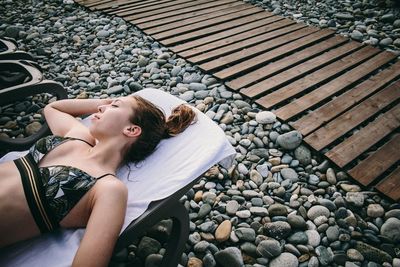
28, 67
9, 44
157, 211
16, 55
7, 96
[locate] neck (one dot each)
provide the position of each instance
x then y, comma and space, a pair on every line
108, 153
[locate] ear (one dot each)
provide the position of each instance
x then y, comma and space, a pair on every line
132, 131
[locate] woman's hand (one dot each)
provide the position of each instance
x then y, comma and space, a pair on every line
60, 115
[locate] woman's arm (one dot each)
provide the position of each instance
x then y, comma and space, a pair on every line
60, 115
105, 222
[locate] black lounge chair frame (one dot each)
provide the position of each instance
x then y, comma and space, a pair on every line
29, 68
167, 208
11, 52
9, 95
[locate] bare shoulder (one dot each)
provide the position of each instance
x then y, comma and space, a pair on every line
110, 185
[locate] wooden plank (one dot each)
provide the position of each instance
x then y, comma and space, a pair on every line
196, 46
327, 112
129, 6
184, 13
367, 137
113, 5
159, 9
91, 4
390, 185
349, 120
211, 30
122, 5
236, 38
248, 46
322, 93
197, 20
269, 56
298, 71
240, 11
322, 75
282, 64
201, 6
378, 162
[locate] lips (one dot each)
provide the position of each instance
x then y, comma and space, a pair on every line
95, 117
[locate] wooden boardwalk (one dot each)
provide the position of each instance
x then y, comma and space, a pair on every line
341, 95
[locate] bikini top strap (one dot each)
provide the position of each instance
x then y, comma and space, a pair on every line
74, 138
106, 175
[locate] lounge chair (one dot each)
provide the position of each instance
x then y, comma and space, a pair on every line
19, 92
15, 74
154, 186
8, 50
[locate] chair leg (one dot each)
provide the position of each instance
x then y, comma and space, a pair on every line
178, 237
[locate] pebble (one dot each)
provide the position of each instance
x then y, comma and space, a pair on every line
278, 230
256, 177
232, 207
375, 210
371, 253
316, 211
297, 222
269, 248
229, 257
223, 231
204, 210
148, 246
284, 259
245, 234
298, 238
354, 255
332, 233
331, 176
32, 128
355, 198
244, 214
325, 255
356, 35
391, 230
265, 117
314, 238
289, 140
303, 155
277, 210
194, 262
289, 173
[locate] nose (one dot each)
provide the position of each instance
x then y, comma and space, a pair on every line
101, 108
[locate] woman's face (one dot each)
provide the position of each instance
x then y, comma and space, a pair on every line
114, 118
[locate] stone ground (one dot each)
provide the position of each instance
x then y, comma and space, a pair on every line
279, 205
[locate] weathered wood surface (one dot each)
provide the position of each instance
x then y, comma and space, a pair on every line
341, 95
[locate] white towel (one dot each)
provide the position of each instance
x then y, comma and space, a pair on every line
175, 163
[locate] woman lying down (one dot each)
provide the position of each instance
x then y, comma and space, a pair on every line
68, 179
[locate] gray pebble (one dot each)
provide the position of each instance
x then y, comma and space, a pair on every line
289, 140
285, 259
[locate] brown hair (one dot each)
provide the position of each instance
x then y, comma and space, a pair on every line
156, 127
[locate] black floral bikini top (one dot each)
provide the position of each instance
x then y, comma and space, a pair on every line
63, 185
